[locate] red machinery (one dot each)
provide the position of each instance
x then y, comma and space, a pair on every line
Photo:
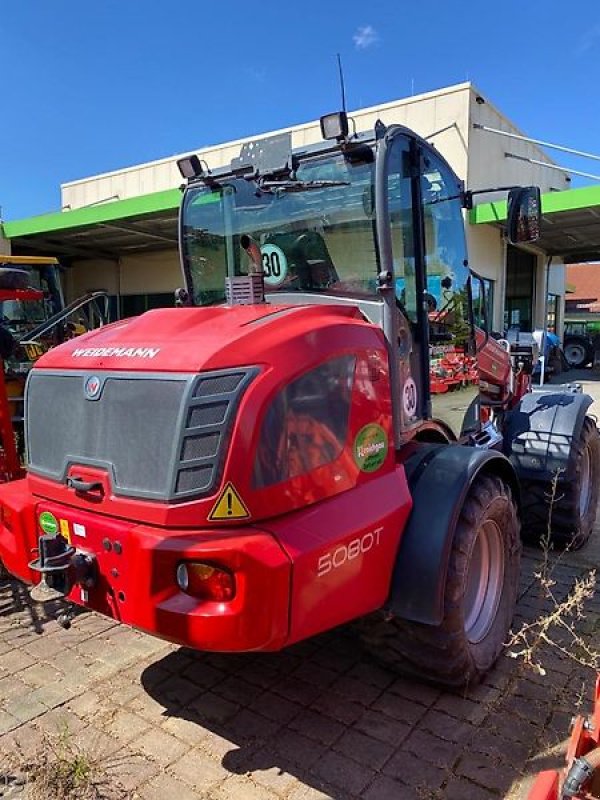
271, 459
580, 779
10, 463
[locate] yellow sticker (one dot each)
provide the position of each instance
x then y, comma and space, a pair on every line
229, 505
65, 530
33, 351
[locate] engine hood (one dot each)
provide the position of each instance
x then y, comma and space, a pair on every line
193, 339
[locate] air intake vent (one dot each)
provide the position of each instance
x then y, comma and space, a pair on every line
161, 437
245, 290
210, 412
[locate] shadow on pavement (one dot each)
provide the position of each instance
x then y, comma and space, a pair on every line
585, 375
323, 713
16, 603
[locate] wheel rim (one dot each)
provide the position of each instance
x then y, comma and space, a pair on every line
575, 354
585, 482
485, 580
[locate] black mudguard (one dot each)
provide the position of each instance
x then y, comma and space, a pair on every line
439, 477
540, 431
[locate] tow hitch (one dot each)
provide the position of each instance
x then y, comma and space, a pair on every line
61, 567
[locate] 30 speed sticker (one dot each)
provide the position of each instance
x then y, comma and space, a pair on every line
274, 264
409, 397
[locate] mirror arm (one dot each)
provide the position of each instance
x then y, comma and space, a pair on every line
467, 195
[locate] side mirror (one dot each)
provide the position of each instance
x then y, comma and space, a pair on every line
524, 214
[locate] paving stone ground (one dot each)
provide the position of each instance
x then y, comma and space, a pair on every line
320, 720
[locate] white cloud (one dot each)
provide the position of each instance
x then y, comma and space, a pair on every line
588, 40
256, 74
365, 36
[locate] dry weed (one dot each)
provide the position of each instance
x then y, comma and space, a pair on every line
61, 769
557, 628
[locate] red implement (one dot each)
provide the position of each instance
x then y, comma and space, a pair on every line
580, 779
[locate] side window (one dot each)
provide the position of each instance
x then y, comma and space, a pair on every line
401, 222
306, 425
482, 291
445, 255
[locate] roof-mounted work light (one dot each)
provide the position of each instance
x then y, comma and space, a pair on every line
190, 167
334, 126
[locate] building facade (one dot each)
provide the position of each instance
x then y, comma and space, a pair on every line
118, 231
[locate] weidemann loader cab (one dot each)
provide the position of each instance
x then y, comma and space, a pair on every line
322, 431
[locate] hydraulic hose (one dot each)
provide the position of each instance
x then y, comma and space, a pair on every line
581, 772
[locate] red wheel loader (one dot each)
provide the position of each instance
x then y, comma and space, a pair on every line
268, 460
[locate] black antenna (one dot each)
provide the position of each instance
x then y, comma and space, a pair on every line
343, 90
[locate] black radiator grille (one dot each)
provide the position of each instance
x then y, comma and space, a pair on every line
159, 436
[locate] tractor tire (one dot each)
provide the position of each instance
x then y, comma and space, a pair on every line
578, 351
568, 521
479, 597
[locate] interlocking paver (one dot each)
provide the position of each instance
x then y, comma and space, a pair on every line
412, 770
364, 749
126, 726
166, 786
199, 770
458, 789
486, 772
382, 727
7, 722
274, 778
317, 726
238, 787
274, 707
160, 746
349, 776
384, 788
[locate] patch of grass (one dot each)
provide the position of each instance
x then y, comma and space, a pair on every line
61, 769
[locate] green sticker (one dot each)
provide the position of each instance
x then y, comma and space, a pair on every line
48, 522
370, 447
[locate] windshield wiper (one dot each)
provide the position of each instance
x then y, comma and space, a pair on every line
298, 186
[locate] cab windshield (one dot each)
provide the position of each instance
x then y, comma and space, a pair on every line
316, 233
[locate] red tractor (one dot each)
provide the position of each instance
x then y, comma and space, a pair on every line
268, 460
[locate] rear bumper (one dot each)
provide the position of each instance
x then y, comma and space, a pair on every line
310, 571
137, 575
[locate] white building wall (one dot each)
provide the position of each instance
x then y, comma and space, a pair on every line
152, 273
446, 117
92, 275
488, 164
424, 113
487, 256
489, 167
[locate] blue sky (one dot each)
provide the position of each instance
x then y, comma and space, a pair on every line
94, 85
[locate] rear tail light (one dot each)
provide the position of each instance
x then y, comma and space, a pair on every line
206, 581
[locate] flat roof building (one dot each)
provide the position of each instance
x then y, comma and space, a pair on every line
118, 231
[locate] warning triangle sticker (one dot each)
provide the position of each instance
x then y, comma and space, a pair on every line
229, 505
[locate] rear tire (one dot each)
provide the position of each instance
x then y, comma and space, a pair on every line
479, 597
573, 512
578, 351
